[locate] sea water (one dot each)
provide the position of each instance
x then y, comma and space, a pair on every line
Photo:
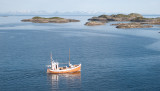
112, 59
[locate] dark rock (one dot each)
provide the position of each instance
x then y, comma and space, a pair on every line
140, 19
73, 20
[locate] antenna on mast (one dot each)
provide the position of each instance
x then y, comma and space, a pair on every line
69, 56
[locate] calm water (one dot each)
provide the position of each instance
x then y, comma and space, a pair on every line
112, 59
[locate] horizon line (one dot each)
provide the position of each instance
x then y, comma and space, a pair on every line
64, 14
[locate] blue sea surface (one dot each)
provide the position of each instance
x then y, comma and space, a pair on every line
112, 59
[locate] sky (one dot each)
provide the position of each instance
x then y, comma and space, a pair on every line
107, 6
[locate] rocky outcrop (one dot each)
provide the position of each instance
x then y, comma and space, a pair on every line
132, 25
155, 21
117, 24
73, 20
138, 20
134, 17
118, 17
94, 23
103, 20
49, 20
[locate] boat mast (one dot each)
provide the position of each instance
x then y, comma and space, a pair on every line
69, 56
51, 60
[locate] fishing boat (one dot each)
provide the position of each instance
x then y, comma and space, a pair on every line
55, 69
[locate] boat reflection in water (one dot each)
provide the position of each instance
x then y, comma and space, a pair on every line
71, 81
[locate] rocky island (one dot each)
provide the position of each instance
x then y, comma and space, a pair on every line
118, 17
132, 25
142, 20
138, 21
94, 23
49, 20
